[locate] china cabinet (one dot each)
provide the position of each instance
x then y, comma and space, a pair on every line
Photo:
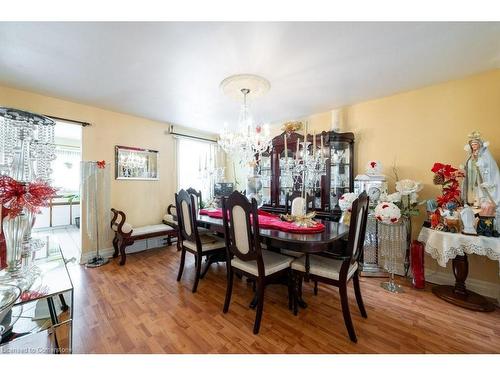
338, 177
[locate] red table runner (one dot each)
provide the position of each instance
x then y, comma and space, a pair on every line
271, 221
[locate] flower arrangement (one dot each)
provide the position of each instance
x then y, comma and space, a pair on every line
449, 179
387, 212
17, 196
408, 190
373, 167
346, 200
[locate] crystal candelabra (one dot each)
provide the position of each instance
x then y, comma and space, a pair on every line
26, 151
304, 172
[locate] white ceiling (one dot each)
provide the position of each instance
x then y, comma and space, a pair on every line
171, 71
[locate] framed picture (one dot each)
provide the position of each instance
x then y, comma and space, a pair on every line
132, 163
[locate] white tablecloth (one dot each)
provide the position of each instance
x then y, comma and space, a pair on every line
444, 246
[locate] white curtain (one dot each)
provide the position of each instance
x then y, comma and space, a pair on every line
197, 165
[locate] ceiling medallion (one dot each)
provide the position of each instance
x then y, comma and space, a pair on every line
257, 86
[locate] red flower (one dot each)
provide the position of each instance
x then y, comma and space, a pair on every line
393, 219
373, 164
385, 205
379, 217
101, 164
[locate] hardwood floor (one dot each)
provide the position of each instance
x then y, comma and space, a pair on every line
141, 308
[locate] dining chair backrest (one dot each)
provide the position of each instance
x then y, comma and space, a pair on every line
290, 198
197, 196
186, 216
357, 227
298, 206
241, 228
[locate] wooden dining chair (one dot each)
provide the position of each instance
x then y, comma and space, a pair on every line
192, 241
339, 271
197, 195
244, 252
297, 194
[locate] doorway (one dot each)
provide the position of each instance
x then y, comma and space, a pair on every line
61, 219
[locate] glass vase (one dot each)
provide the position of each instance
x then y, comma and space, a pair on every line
13, 229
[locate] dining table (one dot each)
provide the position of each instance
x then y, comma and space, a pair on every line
329, 242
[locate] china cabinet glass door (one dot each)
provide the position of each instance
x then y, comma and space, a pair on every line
266, 177
340, 170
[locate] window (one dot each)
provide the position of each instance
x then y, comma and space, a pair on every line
196, 164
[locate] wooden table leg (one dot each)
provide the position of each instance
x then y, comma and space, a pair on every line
458, 294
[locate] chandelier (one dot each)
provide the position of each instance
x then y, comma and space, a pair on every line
27, 146
250, 140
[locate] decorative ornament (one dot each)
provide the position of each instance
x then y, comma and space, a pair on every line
373, 168
448, 177
16, 196
101, 164
387, 213
291, 126
346, 200
304, 221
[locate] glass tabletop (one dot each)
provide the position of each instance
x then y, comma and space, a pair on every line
48, 274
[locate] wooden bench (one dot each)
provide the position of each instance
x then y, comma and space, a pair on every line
126, 235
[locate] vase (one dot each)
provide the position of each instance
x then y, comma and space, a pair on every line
417, 265
345, 218
13, 229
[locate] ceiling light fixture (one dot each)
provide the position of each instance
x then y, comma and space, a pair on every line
250, 139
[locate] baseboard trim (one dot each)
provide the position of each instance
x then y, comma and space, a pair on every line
88, 255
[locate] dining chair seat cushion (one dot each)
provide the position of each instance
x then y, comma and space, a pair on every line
273, 262
291, 253
322, 266
208, 242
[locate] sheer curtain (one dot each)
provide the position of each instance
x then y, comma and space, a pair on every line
197, 162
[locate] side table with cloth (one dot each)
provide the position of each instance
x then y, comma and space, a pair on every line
444, 246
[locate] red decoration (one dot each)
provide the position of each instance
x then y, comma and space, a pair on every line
417, 265
16, 196
271, 221
448, 177
101, 164
373, 164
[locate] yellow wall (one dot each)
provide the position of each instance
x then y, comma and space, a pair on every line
417, 128
144, 202
413, 130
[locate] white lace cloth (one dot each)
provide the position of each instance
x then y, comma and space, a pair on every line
444, 246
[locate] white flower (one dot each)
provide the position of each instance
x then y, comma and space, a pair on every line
394, 197
345, 201
406, 187
387, 212
413, 198
373, 167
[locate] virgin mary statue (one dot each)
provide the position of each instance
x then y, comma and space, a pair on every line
482, 182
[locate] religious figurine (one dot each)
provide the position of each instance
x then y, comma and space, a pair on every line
468, 221
482, 182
